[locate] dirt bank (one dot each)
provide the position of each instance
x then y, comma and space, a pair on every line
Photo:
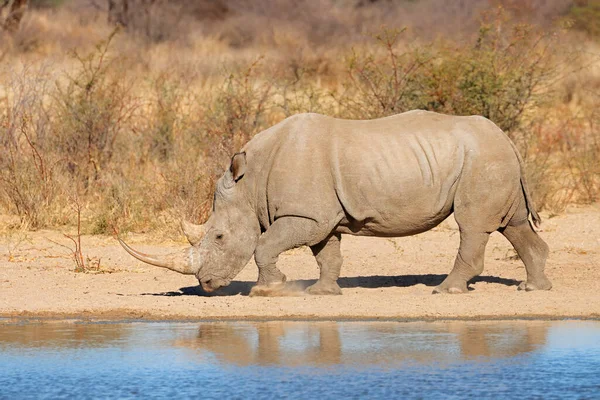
381, 278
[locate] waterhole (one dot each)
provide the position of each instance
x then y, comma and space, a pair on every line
300, 360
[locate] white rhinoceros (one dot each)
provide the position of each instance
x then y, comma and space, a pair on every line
311, 178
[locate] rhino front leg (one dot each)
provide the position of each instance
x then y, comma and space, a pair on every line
329, 258
284, 234
468, 264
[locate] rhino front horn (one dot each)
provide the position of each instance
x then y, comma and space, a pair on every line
182, 262
194, 233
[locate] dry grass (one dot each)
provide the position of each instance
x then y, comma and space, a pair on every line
138, 123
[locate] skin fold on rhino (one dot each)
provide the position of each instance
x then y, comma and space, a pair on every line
311, 178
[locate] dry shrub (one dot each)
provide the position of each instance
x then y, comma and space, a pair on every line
92, 110
187, 188
30, 180
386, 82
156, 21
185, 143
491, 78
494, 78
237, 111
82, 264
586, 16
166, 116
581, 154
561, 150
51, 33
301, 92
315, 23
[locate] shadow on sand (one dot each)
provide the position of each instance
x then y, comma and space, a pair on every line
369, 282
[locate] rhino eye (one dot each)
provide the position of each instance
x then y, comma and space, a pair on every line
219, 236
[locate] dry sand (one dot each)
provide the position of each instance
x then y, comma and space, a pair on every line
381, 279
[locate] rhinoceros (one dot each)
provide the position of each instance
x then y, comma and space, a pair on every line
311, 178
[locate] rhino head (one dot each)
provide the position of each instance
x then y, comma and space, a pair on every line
221, 247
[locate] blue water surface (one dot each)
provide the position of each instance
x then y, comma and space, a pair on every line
301, 360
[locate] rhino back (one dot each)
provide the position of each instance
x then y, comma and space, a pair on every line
391, 176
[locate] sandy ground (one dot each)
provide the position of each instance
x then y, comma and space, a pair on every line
381, 279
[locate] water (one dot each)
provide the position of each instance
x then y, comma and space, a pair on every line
301, 360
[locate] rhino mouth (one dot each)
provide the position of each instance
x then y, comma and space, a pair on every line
210, 284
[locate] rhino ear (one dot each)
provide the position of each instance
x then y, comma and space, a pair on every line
238, 166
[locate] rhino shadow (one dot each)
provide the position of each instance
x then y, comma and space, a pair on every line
368, 282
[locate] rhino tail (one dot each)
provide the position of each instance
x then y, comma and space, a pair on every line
537, 220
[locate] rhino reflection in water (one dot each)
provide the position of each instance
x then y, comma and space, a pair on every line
311, 178
302, 343
264, 343
330, 343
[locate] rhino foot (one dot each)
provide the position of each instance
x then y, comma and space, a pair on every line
321, 288
541, 284
270, 276
267, 290
450, 290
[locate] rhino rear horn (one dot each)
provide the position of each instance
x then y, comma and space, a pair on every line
194, 233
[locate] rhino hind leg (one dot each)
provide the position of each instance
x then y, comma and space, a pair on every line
533, 251
284, 234
329, 259
468, 263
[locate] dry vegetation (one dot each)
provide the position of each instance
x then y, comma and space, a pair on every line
136, 122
